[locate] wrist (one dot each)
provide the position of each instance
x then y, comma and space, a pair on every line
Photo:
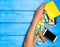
35, 21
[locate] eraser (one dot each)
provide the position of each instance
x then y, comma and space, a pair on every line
41, 36
52, 10
52, 22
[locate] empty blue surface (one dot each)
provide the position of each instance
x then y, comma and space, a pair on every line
16, 16
57, 2
15, 19
20, 4
17, 41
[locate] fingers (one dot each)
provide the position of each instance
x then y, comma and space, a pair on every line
42, 7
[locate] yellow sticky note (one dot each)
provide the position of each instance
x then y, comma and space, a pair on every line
59, 13
52, 10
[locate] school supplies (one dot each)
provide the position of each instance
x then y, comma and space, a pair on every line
52, 22
52, 10
46, 19
52, 13
37, 29
41, 36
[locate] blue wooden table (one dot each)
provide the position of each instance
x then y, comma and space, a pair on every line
15, 19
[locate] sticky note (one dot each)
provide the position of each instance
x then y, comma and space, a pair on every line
52, 10
59, 13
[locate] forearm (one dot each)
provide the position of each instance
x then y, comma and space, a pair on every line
29, 42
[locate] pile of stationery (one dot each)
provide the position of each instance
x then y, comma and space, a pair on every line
52, 13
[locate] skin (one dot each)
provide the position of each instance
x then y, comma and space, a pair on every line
29, 41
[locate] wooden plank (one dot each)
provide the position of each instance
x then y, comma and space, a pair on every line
14, 29
22, 28
11, 41
20, 4
16, 16
17, 41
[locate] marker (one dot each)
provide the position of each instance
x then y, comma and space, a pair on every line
41, 36
46, 18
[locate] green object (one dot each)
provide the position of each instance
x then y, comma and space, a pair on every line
46, 18
38, 29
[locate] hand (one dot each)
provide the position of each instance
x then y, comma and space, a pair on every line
38, 14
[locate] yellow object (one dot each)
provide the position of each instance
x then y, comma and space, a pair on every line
52, 10
42, 26
38, 25
59, 13
41, 21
